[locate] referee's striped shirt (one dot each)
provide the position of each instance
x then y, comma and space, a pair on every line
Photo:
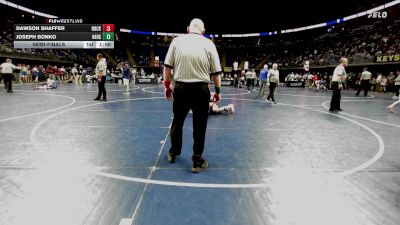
193, 57
366, 75
101, 67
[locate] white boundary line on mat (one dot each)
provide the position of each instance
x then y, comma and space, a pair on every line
348, 172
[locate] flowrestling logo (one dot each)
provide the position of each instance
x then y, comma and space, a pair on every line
378, 15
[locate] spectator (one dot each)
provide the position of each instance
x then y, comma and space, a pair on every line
384, 83
379, 83
63, 73
35, 74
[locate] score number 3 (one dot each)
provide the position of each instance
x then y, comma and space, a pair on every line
108, 27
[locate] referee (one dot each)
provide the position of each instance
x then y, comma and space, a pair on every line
7, 69
365, 78
273, 75
101, 69
337, 80
193, 59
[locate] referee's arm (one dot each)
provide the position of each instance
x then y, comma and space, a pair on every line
167, 82
169, 62
217, 80
167, 73
216, 72
217, 83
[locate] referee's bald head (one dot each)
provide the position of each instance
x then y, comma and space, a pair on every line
196, 26
344, 61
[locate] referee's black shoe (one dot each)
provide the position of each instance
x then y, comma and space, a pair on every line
199, 164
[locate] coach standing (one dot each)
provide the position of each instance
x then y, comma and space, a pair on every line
7, 69
101, 70
193, 59
337, 84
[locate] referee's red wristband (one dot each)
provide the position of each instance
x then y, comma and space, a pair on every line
167, 83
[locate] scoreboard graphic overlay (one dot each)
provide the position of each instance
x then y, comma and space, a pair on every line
83, 36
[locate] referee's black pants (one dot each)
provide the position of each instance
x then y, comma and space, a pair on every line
336, 96
396, 90
7, 77
102, 88
272, 86
249, 83
365, 86
195, 96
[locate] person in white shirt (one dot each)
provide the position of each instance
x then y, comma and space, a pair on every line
80, 75
378, 83
29, 74
254, 77
365, 79
35, 74
159, 79
57, 75
297, 77
7, 69
273, 75
194, 60
384, 83
24, 74
397, 86
134, 74
62, 72
142, 73
74, 72
309, 79
291, 76
249, 79
337, 84
101, 69
397, 83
